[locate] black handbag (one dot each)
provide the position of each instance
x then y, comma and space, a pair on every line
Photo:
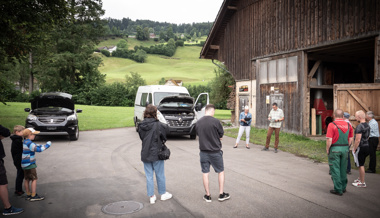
164, 152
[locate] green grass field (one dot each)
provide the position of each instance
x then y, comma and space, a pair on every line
92, 117
186, 66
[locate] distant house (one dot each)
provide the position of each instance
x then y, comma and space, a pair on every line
152, 35
112, 48
172, 82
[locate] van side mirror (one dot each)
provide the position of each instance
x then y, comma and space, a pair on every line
79, 110
27, 109
198, 107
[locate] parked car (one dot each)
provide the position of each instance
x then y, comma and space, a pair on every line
53, 113
175, 107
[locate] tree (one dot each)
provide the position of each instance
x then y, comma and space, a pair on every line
169, 33
219, 88
162, 81
133, 82
162, 35
146, 33
139, 33
140, 56
122, 44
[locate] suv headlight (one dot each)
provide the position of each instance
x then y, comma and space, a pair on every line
31, 117
71, 117
161, 117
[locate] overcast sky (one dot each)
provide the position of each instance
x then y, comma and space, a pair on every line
171, 11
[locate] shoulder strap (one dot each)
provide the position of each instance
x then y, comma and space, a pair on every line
337, 126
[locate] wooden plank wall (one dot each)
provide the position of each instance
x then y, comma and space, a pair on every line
367, 93
265, 27
292, 122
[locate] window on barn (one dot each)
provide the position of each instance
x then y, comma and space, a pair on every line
278, 71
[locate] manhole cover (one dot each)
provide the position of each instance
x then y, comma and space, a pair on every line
122, 207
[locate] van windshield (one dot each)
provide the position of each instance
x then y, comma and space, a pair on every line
158, 96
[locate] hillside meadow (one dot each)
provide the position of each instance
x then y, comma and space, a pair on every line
185, 65
92, 117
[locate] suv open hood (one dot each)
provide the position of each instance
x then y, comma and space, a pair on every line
53, 99
176, 103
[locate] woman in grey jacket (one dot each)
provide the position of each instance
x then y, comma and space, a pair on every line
153, 135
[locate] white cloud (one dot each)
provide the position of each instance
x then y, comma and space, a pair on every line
171, 11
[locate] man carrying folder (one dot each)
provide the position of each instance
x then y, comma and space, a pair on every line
338, 138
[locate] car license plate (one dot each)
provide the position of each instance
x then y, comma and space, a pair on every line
51, 128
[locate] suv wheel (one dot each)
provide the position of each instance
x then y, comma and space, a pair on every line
193, 136
75, 136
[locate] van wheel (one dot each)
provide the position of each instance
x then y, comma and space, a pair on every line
136, 126
193, 136
75, 136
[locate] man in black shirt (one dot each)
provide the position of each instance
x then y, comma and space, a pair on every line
210, 133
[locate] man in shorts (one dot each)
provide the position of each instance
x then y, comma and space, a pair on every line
210, 133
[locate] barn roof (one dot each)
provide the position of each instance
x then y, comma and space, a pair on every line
225, 13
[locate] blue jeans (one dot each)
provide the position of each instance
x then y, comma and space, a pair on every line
159, 169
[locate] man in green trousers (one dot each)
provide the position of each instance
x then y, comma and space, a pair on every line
339, 136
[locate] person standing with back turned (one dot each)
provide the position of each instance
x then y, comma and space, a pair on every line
210, 133
373, 141
338, 138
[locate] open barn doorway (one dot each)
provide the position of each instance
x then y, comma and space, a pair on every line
344, 63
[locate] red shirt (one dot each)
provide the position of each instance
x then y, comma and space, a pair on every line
332, 131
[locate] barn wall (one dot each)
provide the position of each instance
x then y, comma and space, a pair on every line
260, 28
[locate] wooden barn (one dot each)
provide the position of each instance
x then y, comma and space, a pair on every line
309, 56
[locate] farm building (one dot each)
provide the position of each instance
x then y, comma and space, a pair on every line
310, 57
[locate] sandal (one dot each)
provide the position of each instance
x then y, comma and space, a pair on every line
235, 146
247, 147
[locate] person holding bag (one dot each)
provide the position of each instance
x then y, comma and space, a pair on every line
153, 136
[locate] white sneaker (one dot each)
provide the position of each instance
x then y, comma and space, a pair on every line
166, 196
357, 180
359, 184
153, 199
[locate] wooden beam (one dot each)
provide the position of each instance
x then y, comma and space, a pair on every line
215, 47
313, 122
377, 60
314, 69
358, 100
232, 8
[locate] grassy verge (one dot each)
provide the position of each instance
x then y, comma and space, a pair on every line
299, 145
92, 117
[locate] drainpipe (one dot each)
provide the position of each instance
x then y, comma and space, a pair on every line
221, 67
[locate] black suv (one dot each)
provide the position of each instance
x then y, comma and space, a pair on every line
53, 114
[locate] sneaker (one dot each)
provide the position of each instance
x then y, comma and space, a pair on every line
19, 193
357, 180
207, 198
166, 196
28, 197
12, 211
359, 184
153, 199
36, 198
224, 196
275, 150
265, 149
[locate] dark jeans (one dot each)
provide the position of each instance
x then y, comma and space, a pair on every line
19, 179
373, 142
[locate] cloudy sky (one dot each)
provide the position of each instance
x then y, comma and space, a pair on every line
171, 11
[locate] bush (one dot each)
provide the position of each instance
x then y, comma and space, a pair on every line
155, 39
105, 53
179, 43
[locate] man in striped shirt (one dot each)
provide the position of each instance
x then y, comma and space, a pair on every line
373, 141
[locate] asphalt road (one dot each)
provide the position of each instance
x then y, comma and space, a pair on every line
79, 178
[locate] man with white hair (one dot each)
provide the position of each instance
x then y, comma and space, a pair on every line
373, 141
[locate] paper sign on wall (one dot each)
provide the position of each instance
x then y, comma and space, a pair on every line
267, 99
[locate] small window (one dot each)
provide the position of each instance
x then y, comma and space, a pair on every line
143, 99
150, 98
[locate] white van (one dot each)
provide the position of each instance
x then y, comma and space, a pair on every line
175, 107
